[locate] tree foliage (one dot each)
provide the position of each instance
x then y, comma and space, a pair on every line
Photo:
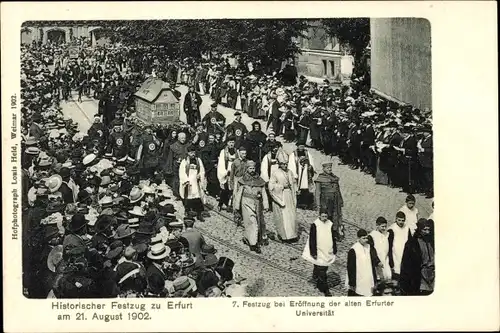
352, 33
263, 40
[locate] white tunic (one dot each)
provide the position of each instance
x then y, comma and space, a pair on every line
411, 217
398, 246
324, 244
364, 272
190, 179
381, 245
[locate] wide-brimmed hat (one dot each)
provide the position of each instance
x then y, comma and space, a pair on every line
32, 151
148, 190
119, 170
158, 251
115, 249
78, 222
106, 201
123, 231
31, 141
210, 260
55, 257
184, 284
126, 270
208, 249
89, 159
136, 194
54, 183
137, 211
104, 222
146, 228
133, 222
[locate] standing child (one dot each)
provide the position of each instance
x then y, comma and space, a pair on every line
411, 213
320, 250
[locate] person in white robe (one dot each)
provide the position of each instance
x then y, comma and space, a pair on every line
379, 239
282, 190
270, 162
411, 213
192, 183
362, 261
302, 166
320, 250
399, 233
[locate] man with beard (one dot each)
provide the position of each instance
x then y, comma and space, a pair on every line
254, 143
192, 102
118, 142
238, 169
270, 143
329, 198
237, 129
148, 154
250, 203
192, 183
214, 121
417, 266
301, 164
177, 152
226, 158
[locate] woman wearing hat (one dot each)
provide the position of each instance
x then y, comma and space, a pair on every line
250, 201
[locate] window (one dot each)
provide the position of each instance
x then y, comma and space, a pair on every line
325, 68
332, 68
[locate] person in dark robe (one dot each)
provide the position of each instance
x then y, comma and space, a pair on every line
67, 192
269, 144
317, 121
328, 136
426, 160
214, 121
254, 143
237, 129
209, 154
354, 143
329, 197
177, 152
417, 266
149, 154
192, 102
366, 152
274, 118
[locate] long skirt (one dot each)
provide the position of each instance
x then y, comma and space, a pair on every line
253, 220
380, 176
284, 217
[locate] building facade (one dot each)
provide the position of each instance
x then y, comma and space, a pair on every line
61, 34
400, 60
322, 57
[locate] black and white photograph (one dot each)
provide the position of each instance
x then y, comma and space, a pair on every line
227, 158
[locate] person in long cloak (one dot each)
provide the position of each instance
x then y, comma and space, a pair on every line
254, 142
250, 202
282, 189
177, 152
208, 153
417, 265
329, 197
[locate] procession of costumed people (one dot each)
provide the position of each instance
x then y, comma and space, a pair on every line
101, 209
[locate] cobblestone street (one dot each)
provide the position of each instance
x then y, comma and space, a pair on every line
280, 270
